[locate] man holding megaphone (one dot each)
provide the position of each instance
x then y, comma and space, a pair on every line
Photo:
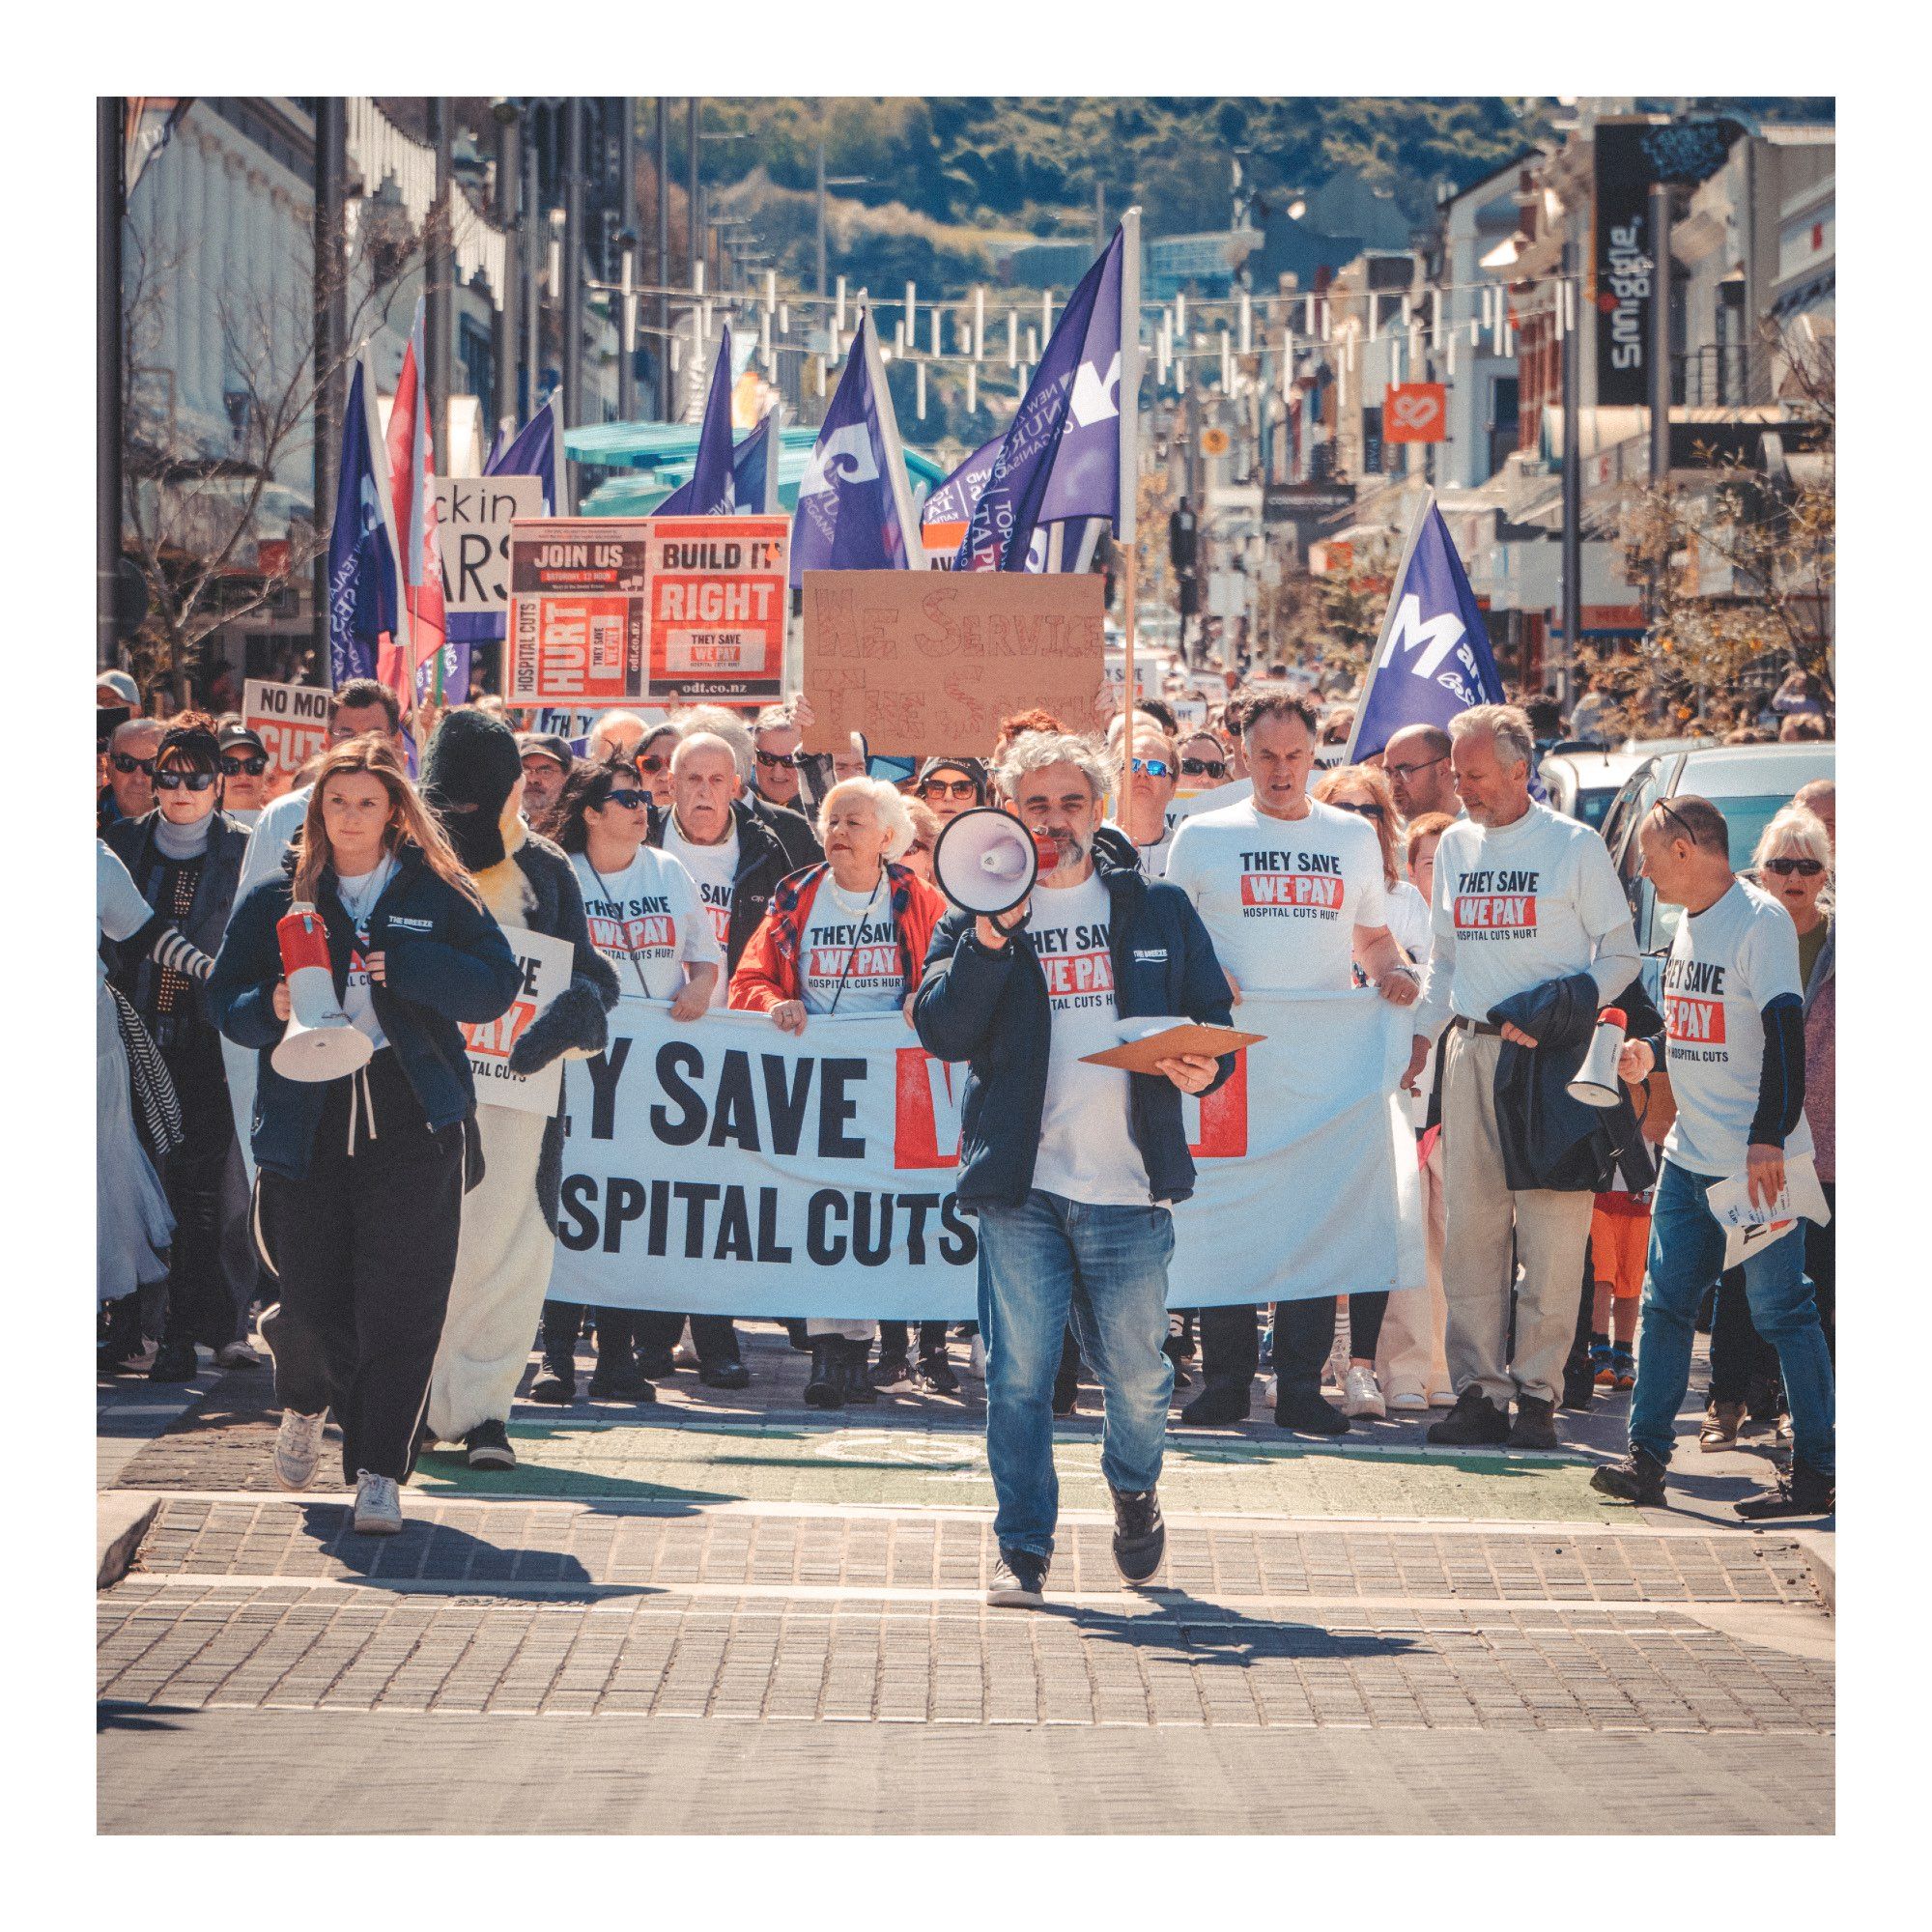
1070, 1167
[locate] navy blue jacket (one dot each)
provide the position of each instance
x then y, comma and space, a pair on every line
447, 962
991, 1010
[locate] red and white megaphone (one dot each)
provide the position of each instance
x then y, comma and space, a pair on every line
322, 1041
986, 862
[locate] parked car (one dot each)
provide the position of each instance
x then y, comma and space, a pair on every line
1582, 780
1749, 783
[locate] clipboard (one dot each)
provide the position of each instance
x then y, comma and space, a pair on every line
1137, 1055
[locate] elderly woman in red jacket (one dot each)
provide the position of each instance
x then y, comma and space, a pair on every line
847, 936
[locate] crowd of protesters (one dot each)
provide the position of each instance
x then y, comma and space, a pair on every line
798, 885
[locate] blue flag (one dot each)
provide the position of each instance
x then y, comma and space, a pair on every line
754, 468
1013, 504
1085, 478
854, 506
361, 566
709, 493
531, 452
1433, 659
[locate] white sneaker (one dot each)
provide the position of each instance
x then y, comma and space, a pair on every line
1362, 1394
297, 1448
976, 1358
237, 1356
1408, 1402
378, 1505
685, 1354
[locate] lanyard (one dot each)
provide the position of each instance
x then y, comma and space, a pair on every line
643, 985
852, 951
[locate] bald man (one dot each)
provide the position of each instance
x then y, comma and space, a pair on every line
1416, 760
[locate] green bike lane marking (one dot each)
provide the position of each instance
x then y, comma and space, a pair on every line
899, 1467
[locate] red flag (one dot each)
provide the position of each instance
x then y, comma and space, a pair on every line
412, 450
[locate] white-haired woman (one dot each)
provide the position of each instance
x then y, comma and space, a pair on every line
846, 936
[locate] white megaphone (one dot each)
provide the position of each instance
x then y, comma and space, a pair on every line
985, 861
1596, 1084
322, 1041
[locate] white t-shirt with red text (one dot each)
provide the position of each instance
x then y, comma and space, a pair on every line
848, 955
1086, 1150
1727, 963
713, 871
1281, 897
648, 914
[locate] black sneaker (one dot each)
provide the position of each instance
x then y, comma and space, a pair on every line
825, 1383
1475, 1421
488, 1447
1535, 1426
1019, 1579
174, 1362
1140, 1536
1219, 1404
556, 1383
628, 1380
1637, 1478
937, 1376
1303, 1408
1802, 1492
656, 1364
893, 1375
730, 1374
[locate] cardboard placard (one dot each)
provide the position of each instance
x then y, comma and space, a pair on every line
545, 963
473, 515
291, 719
611, 611
922, 661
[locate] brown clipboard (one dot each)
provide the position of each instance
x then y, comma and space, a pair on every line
1137, 1055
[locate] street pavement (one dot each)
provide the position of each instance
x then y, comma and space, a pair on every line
766, 1618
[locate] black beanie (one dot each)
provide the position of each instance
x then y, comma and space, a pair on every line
468, 771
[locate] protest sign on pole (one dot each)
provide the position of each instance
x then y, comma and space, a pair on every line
729, 1168
291, 719
619, 611
545, 964
473, 515
717, 609
919, 661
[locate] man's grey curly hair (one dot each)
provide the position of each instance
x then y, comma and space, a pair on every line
1034, 751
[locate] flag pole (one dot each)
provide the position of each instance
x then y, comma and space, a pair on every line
1126, 513
910, 540
1424, 504
386, 497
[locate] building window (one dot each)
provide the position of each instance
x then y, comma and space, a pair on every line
477, 357
1504, 426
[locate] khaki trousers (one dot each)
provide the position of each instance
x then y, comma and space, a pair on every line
1484, 1212
1410, 1356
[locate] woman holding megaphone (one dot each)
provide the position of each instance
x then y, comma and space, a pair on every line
361, 1154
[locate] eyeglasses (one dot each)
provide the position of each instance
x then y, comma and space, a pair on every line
1205, 768
125, 765
1806, 868
631, 801
773, 761
174, 781
1153, 768
1676, 817
1360, 810
1409, 771
651, 765
241, 768
949, 789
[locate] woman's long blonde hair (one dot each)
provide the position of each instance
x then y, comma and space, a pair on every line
410, 821
1376, 783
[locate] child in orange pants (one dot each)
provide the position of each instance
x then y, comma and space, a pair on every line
1619, 1237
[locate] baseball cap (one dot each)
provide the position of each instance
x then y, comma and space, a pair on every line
126, 690
545, 745
232, 735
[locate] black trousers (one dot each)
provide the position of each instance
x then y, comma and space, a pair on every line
365, 1249
713, 1336
563, 1324
1304, 1332
198, 1179
893, 1337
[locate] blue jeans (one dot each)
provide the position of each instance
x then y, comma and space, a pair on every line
1687, 1256
1040, 1262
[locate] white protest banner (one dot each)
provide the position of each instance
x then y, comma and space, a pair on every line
291, 719
729, 1168
545, 963
473, 515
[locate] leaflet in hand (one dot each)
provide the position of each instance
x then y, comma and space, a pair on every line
1749, 1229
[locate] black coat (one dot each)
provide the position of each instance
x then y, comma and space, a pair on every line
794, 832
1549, 1140
762, 861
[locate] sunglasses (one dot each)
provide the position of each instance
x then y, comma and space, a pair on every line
1804, 868
1360, 810
1153, 768
652, 765
631, 801
123, 764
175, 780
1205, 768
775, 760
241, 768
1409, 771
949, 789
